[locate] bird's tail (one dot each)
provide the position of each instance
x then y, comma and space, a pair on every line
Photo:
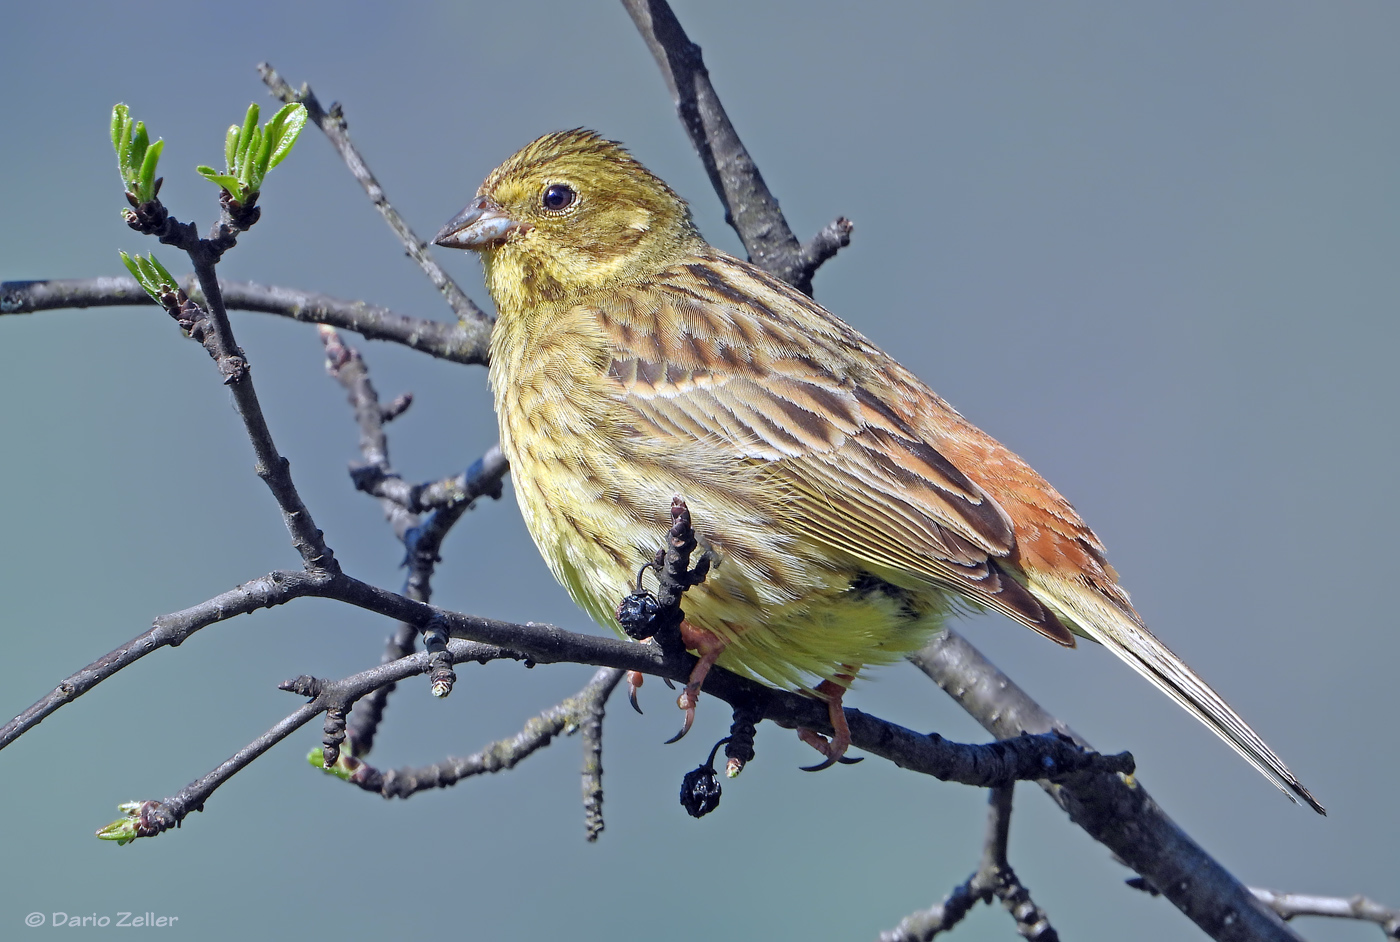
1098, 618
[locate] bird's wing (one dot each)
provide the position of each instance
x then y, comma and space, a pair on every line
700, 355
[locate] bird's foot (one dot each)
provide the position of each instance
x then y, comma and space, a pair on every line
634, 683
835, 748
710, 647
686, 701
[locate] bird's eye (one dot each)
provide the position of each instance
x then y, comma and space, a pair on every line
558, 196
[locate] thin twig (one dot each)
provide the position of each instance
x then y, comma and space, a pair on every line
363, 723
215, 333
347, 367
158, 816
482, 479
539, 731
421, 540
595, 701
1358, 907
749, 206
454, 342
332, 122
993, 879
269, 465
275, 588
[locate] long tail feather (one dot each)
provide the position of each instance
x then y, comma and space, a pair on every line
1101, 620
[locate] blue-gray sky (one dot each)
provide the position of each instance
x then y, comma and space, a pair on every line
1152, 248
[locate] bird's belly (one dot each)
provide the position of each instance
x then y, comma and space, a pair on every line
792, 612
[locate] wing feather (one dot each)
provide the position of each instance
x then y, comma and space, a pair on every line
702, 359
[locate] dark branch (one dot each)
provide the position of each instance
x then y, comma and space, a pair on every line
483, 479
269, 465
458, 343
470, 317
749, 206
1116, 812
999, 763
564, 718
422, 540
171, 630
210, 325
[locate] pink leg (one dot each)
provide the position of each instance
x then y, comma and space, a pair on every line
710, 647
835, 750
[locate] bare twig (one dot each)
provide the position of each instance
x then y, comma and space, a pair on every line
275, 588
749, 206
158, 816
332, 122
347, 367
421, 540
591, 726
482, 479
363, 723
1358, 907
455, 342
565, 717
216, 335
270, 466
993, 878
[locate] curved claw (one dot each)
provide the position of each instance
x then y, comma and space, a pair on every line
634, 682
689, 719
830, 761
833, 760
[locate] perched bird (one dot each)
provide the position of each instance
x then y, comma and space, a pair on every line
848, 508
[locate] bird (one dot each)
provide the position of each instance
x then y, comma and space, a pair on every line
848, 510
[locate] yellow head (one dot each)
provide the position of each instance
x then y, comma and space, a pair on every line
570, 212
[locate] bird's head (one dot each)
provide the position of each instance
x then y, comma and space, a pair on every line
570, 212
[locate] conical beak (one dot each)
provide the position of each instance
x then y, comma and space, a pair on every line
481, 224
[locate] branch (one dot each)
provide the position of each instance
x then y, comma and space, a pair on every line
993, 878
270, 466
999, 763
149, 818
1116, 812
565, 717
591, 725
470, 317
421, 540
275, 588
209, 324
749, 206
1359, 907
455, 342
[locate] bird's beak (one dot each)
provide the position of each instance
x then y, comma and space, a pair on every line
481, 224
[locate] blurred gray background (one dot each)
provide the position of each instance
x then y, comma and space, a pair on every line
1152, 248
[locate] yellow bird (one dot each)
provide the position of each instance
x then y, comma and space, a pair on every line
849, 509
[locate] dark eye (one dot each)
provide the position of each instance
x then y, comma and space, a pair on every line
559, 196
